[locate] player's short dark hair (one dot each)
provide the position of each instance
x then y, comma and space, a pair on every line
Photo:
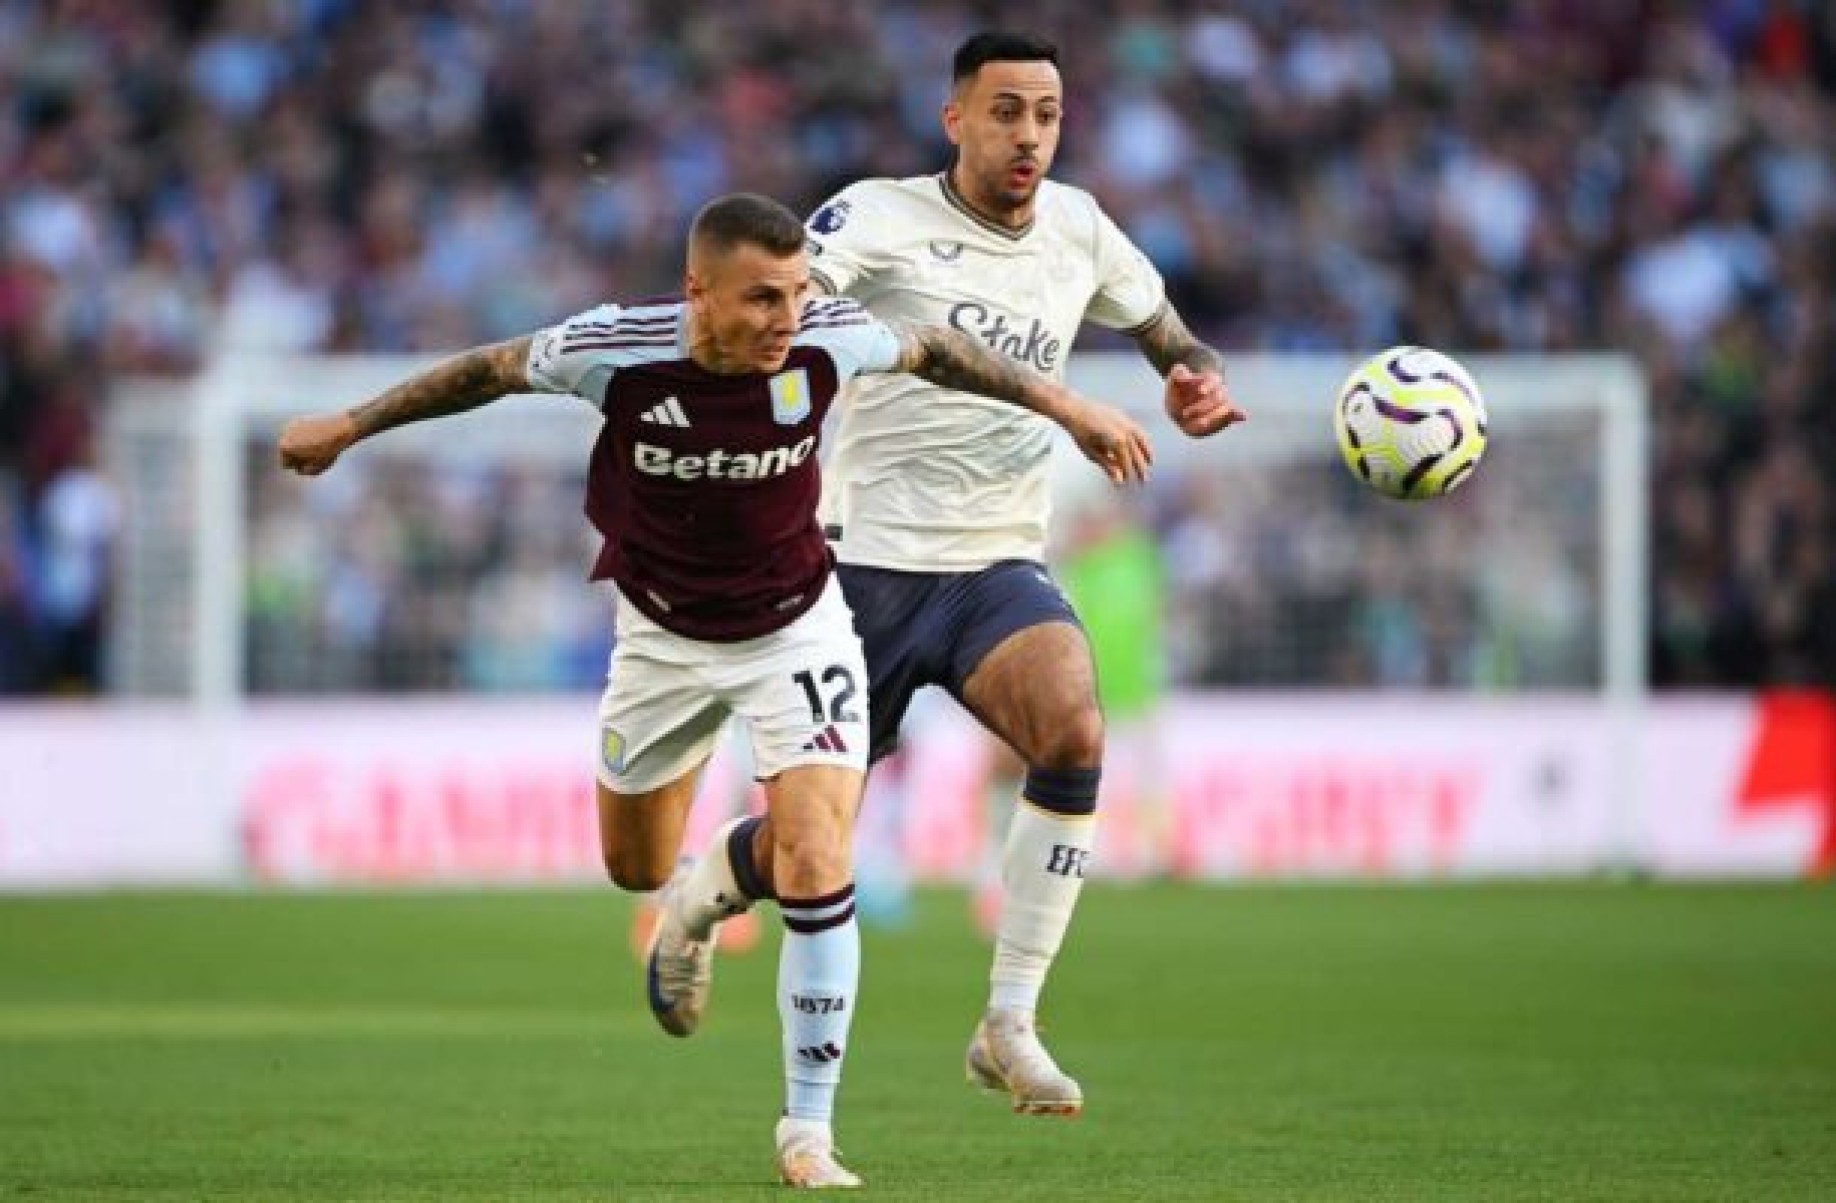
747, 219
999, 46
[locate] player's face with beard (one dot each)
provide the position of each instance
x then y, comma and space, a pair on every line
1004, 122
747, 304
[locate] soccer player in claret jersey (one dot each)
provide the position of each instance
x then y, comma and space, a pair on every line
704, 483
936, 500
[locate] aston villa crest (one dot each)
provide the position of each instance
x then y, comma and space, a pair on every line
790, 397
612, 750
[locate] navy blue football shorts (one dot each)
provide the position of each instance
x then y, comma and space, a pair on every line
934, 628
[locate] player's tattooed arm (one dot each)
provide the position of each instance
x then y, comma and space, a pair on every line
465, 381
955, 360
1166, 340
472, 378
1196, 397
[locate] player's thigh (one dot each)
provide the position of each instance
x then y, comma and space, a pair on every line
812, 809
1036, 689
1021, 664
802, 692
640, 834
658, 723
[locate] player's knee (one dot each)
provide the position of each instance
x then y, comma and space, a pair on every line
1073, 743
809, 861
636, 873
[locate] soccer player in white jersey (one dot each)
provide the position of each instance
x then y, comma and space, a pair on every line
937, 503
704, 483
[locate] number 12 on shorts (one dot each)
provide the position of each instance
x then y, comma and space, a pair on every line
838, 682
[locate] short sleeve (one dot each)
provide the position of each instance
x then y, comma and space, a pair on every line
1129, 290
856, 341
576, 356
845, 237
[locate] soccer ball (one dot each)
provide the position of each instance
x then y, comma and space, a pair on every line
1411, 423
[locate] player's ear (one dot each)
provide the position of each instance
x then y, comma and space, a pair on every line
953, 121
698, 272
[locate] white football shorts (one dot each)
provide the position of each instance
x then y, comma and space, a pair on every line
801, 692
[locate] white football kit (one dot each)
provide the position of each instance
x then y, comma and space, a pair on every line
928, 479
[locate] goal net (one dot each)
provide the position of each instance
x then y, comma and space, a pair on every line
1284, 571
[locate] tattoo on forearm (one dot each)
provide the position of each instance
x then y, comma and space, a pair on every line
957, 360
1166, 341
465, 381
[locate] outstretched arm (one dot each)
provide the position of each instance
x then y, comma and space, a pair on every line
1196, 399
472, 378
955, 360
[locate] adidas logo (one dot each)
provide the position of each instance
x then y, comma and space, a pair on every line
827, 740
667, 412
821, 1054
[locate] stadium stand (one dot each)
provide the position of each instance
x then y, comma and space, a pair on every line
327, 175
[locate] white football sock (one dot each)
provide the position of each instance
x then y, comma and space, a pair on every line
1041, 877
819, 969
713, 890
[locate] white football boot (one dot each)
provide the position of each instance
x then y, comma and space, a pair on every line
679, 972
807, 1157
1005, 1055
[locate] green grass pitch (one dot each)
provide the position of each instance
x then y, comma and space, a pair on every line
1331, 1043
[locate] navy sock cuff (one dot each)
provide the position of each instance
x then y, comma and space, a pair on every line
811, 915
739, 854
1063, 791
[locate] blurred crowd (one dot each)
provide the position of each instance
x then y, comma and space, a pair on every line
326, 175
396, 573
1499, 590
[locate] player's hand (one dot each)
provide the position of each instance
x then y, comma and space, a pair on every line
311, 445
1198, 402
1112, 441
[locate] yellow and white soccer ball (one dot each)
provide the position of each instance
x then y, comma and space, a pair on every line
1411, 423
